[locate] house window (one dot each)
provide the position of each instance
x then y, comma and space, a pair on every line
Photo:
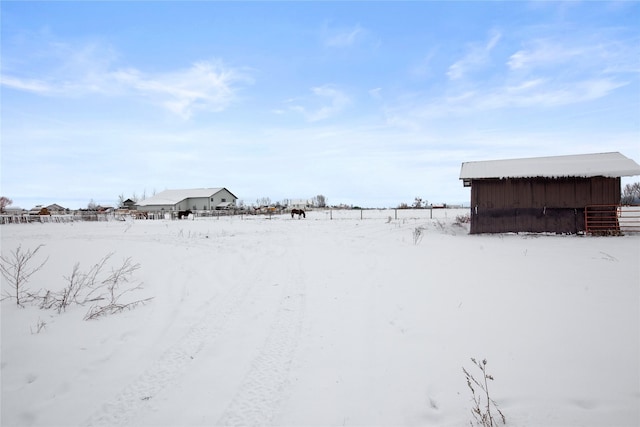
224, 200
212, 199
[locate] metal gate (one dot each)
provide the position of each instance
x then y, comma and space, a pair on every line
611, 219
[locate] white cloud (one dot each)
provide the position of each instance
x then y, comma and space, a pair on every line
328, 101
534, 93
538, 94
590, 52
545, 52
27, 85
375, 93
477, 56
424, 67
547, 72
77, 71
343, 37
204, 86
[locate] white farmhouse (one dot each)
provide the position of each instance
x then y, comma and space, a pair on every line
198, 199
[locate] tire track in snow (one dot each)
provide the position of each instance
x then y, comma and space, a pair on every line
264, 386
174, 361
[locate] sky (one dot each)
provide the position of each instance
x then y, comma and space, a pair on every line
369, 104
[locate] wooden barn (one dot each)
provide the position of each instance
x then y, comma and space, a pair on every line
544, 194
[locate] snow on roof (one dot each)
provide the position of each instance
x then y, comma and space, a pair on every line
581, 165
172, 197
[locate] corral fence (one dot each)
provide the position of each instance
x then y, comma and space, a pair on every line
27, 218
311, 214
611, 219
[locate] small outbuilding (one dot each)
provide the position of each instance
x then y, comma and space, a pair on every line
128, 204
544, 194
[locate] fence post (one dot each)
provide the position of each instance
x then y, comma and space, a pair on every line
360, 213
395, 213
330, 214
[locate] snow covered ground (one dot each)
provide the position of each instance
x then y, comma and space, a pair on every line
327, 322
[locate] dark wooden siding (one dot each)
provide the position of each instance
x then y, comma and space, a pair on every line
537, 204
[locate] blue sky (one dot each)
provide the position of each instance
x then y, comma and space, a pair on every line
367, 103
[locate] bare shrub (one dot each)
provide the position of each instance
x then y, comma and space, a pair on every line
80, 286
482, 401
16, 269
418, 234
463, 219
112, 289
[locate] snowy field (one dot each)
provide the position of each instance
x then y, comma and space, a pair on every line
326, 322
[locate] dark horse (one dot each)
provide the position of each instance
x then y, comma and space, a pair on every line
298, 212
184, 214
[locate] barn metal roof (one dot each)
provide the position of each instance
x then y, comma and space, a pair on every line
582, 165
173, 197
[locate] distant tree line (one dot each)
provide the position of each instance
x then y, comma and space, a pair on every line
319, 201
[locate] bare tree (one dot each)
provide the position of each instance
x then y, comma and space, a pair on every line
321, 201
631, 194
263, 201
16, 268
4, 202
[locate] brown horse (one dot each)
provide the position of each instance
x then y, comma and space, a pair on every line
298, 212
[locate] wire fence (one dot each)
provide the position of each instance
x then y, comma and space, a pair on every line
389, 214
